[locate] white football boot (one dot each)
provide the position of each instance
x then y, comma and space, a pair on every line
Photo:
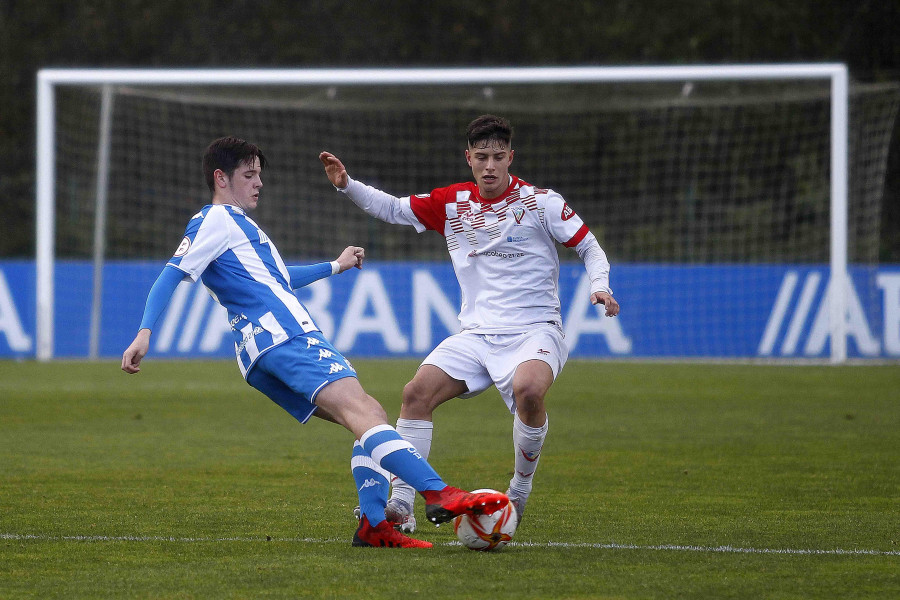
398, 513
519, 502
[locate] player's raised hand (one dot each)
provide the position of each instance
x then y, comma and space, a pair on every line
612, 307
334, 169
131, 359
352, 256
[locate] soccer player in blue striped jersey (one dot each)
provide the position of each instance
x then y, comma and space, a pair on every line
282, 353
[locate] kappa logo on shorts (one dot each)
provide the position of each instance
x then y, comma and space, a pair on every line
543, 352
325, 353
335, 368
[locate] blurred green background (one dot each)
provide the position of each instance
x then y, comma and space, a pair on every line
335, 33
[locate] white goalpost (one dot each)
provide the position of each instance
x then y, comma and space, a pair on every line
219, 89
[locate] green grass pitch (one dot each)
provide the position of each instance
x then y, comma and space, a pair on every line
656, 481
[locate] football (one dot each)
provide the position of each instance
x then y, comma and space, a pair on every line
486, 532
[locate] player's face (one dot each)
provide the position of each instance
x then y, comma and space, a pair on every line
490, 162
244, 185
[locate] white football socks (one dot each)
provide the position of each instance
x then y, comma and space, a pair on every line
527, 442
419, 434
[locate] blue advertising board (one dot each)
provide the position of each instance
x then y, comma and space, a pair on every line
404, 309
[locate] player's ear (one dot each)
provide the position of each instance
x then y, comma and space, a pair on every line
468, 158
511, 152
220, 178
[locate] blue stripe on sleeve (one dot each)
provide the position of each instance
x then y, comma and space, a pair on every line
302, 275
159, 295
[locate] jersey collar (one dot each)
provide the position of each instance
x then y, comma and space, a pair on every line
513, 185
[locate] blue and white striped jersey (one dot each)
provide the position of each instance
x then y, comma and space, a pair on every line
243, 271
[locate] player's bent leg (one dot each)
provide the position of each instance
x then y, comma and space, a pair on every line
530, 425
430, 387
349, 405
530, 384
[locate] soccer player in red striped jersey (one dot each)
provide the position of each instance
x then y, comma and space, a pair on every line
501, 233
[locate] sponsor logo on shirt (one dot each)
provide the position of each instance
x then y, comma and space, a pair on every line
311, 341
325, 353
495, 254
183, 247
335, 368
237, 319
567, 212
516, 238
248, 337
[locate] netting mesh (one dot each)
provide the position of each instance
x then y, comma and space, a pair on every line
706, 173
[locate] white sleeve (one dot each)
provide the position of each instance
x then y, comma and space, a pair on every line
595, 262
381, 205
203, 243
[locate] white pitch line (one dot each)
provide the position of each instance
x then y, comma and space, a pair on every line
564, 545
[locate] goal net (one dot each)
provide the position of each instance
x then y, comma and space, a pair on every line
694, 186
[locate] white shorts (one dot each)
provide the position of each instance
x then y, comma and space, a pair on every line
482, 360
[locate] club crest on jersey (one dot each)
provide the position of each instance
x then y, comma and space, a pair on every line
183, 247
518, 213
567, 212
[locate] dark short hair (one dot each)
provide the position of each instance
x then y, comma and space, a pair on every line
227, 154
487, 128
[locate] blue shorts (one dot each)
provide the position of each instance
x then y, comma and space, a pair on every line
293, 373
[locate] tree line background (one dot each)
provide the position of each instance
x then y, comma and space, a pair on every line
394, 33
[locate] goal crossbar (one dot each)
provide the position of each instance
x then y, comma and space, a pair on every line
49, 79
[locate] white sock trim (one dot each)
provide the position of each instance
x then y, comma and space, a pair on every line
381, 450
533, 433
414, 424
368, 463
377, 429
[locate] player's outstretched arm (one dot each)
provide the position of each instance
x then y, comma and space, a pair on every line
157, 299
612, 307
131, 358
334, 169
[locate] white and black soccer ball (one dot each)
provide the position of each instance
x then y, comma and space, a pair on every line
487, 532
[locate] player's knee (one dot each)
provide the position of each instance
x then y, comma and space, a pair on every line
374, 408
417, 397
529, 398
